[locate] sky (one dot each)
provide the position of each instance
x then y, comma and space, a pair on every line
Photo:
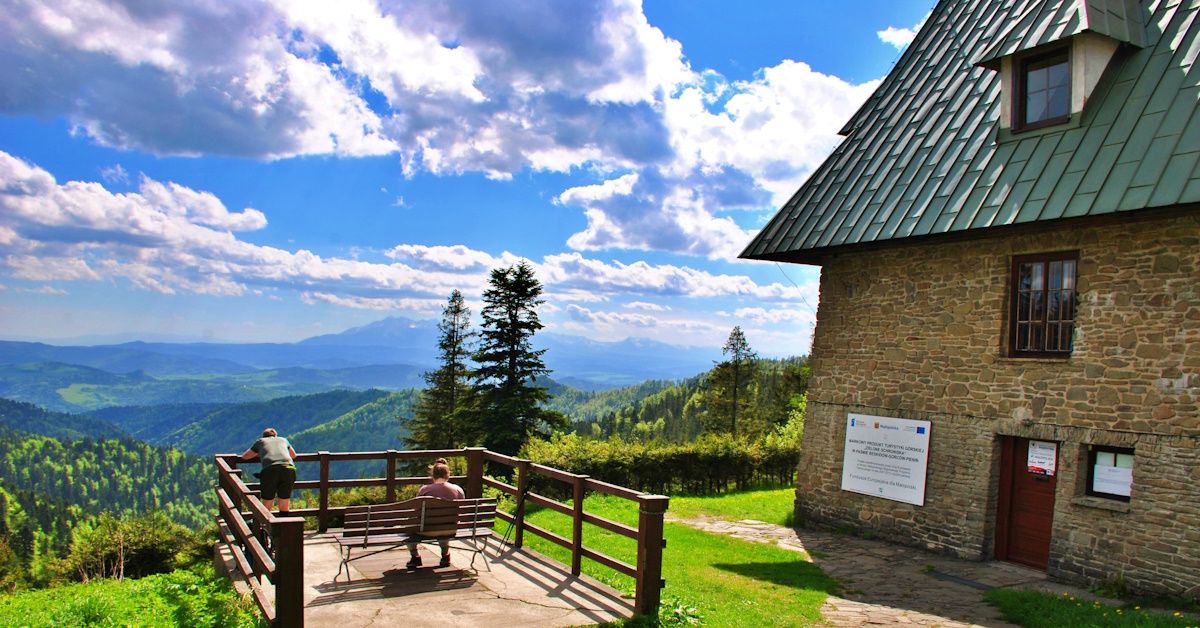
269, 171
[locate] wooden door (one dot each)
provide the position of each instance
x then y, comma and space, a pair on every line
1025, 512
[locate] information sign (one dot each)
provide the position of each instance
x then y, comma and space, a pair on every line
886, 457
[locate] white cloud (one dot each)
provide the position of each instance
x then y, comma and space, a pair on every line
898, 38
170, 238
127, 76
648, 307
477, 86
114, 174
396, 60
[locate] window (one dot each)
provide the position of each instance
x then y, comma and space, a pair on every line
1110, 472
1042, 315
1043, 94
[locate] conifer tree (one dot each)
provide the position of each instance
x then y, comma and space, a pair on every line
730, 382
441, 415
510, 411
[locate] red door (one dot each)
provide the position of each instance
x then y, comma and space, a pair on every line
1025, 512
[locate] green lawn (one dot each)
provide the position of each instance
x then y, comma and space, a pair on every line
728, 582
772, 505
1036, 609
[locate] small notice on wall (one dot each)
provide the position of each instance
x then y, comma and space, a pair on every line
1043, 457
886, 457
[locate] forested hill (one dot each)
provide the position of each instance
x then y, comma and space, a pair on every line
117, 475
153, 423
31, 523
27, 417
233, 428
680, 412
588, 406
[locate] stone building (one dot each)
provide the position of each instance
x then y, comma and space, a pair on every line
1009, 242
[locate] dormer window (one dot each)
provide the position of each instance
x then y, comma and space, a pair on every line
1043, 94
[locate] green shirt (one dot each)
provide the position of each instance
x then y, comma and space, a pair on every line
272, 450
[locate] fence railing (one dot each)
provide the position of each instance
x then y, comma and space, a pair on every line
268, 548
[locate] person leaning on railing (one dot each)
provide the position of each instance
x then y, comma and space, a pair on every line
278, 468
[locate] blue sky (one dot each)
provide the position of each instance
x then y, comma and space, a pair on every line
269, 171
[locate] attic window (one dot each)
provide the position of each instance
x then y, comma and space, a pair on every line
1043, 94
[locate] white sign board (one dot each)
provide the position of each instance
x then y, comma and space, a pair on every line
1042, 457
886, 457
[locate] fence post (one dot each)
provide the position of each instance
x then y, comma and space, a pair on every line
475, 471
650, 546
391, 476
522, 491
323, 493
287, 537
577, 524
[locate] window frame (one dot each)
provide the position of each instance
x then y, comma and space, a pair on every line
1020, 80
1014, 298
1089, 478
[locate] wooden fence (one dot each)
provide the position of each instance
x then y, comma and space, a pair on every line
271, 548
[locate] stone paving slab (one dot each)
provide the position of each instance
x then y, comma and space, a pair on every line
884, 584
521, 588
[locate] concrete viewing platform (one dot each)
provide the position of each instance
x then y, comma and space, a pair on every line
508, 587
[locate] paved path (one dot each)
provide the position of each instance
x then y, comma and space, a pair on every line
884, 584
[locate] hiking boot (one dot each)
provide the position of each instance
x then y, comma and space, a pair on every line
413, 563
445, 562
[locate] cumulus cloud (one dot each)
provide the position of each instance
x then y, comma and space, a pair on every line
449, 88
129, 75
170, 238
898, 38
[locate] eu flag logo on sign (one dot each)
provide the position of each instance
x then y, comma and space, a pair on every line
921, 429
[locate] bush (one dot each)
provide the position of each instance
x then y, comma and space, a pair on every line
186, 597
128, 546
712, 463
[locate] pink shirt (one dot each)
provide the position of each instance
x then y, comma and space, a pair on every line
444, 490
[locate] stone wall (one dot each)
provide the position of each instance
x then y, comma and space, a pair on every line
918, 332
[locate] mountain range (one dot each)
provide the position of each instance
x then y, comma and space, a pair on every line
390, 354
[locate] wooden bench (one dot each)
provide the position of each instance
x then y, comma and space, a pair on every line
421, 519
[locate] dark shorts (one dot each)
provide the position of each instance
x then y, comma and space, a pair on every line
277, 480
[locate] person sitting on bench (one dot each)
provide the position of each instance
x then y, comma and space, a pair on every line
441, 487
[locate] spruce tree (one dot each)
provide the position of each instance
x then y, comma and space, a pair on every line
509, 410
730, 382
441, 416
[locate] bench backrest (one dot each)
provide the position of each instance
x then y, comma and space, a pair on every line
420, 516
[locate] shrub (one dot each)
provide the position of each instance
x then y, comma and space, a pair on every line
712, 463
128, 546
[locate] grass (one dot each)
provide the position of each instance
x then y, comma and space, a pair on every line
772, 505
711, 579
1038, 609
187, 597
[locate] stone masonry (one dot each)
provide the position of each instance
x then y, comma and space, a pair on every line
918, 331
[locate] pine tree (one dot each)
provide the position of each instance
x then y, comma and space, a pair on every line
509, 410
730, 382
441, 416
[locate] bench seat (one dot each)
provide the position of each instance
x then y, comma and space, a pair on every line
417, 520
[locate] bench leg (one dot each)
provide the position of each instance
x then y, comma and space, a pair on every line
344, 554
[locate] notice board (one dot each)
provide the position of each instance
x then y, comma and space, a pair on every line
886, 457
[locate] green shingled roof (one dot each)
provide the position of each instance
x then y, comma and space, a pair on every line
922, 156
1055, 21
